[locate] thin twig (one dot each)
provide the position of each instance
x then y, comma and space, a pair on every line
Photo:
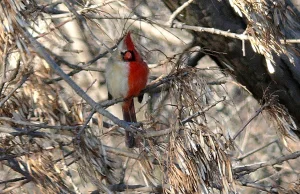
13, 180
251, 168
188, 119
184, 121
138, 188
23, 80
18, 166
158, 133
15, 186
290, 41
54, 28
85, 124
169, 130
12, 156
80, 12
38, 125
80, 19
77, 68
260, 187
69, 175
256, 150
121, 152
3, 70
176, 25
249, 121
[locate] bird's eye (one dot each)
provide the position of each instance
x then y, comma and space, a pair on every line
128, 55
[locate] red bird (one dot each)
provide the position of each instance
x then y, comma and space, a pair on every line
126, 75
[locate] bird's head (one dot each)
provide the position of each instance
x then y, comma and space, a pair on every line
126, 50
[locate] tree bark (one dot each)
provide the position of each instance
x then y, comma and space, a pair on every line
249, 70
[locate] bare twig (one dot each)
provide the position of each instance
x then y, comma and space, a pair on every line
13, 180
260, 187
251, 168
216, 83
32, 151
80, 19
121, 152
137, 188
23, 80
3, 70
85, 125
77, 68
290, 41
256, 150
188, 119
16, 166
158, 133
81, 11
184, 121
38, 125
69, 175
177, 11
176, 25
54, 28
249, 121
15, 186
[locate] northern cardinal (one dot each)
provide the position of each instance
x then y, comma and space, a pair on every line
126, 75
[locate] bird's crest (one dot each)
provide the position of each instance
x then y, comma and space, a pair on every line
129, 42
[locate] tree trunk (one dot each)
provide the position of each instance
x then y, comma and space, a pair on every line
250, 70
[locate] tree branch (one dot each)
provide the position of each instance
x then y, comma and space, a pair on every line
251, 168
177, 11
256, 150
260, 187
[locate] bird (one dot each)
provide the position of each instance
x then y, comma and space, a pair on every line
126, 75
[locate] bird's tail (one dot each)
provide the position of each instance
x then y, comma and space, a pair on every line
129, 116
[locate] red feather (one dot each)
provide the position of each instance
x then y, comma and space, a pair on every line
128, 41
137, 80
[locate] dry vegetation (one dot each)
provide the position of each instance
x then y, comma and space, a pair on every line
202, 132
